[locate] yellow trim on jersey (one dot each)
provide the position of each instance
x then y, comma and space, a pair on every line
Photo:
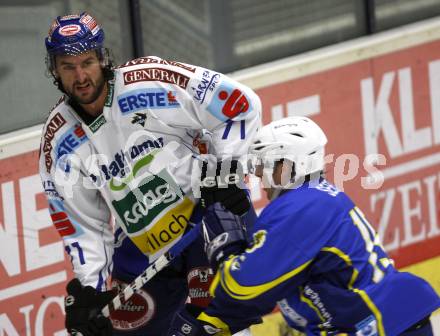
216, 322
169, 227
311, 305
371, 240
361, 293
347, 260
240, 292
373, 308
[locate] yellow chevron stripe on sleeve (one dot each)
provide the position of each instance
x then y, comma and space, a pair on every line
240, 292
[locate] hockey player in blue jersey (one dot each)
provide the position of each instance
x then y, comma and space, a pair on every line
314, 254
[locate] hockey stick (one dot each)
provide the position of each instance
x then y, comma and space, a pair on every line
151, 271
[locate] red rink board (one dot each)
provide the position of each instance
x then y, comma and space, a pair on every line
33, 268
403, 85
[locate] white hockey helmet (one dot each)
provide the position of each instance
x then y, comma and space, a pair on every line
298, 139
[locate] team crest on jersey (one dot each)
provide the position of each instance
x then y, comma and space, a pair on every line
134, 313
259, 240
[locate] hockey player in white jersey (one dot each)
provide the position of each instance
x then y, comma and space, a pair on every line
123, 147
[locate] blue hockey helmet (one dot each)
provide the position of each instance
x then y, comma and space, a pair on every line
73, 35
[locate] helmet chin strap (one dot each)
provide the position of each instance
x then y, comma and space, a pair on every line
289, 180
287, 177
275, 188
279, 189
275, 193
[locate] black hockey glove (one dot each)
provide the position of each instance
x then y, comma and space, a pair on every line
225, 186
185, 323
224, 234
83, 310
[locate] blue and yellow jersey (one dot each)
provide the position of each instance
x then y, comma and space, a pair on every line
317, 257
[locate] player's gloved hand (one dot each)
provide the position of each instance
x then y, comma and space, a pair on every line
225, 186
224, 234
83, 310
185, 323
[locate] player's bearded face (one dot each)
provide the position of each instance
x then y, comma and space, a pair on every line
81, 76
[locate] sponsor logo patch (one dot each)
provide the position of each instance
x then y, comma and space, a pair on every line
69, 30
89, 21
62, 221
52, 127
109, 99
290, 313
367, 327
315, 300
69, 141
207, 83
200, 143
156, 74
122, 161
52, 28
228, 102
136, 212
166, 230
199, 279
134, 313
97, 123
50, 190
152, 60
142, 99
69, 17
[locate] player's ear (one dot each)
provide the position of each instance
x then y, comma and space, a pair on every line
104, 60
104, 57
51, 66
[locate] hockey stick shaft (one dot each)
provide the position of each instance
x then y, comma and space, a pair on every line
151, 271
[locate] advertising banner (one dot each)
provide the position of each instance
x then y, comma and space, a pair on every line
33, 265
382, 119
